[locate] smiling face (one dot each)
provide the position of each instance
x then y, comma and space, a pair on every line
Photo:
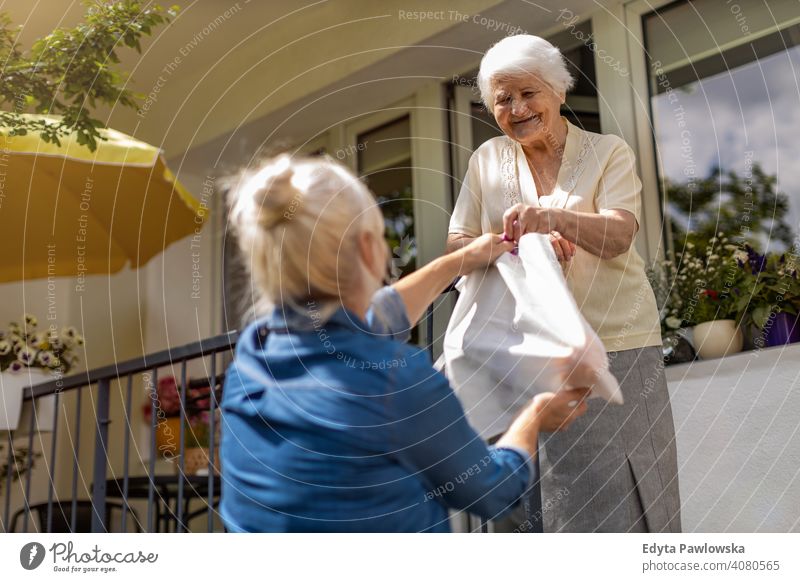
526, 108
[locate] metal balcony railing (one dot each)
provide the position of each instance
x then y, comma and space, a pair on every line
167, 498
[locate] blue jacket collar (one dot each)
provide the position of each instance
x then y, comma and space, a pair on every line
285, 318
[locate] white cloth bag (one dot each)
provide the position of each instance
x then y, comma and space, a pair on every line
515, 332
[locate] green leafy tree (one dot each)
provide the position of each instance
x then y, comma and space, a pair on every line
72, 70
726, 203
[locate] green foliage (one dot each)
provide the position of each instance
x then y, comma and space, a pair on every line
197, 433
398, 218
725, 282
700, 285
772, 285
745, 207
72, 70
709, 277
18, 466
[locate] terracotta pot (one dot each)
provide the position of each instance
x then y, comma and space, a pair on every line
714, 339
168, 434
196, 460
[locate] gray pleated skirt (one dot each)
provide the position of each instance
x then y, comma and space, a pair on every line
615, 469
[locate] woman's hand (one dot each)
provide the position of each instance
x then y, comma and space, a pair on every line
521, 219
420, 288
481, 252
564, 249
547, 412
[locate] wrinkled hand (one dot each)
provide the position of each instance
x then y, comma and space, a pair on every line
521, 219
564, 249
482, 252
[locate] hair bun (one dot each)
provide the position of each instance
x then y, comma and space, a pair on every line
277, 199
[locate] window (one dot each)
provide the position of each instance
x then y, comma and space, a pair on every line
384, 162
724, 94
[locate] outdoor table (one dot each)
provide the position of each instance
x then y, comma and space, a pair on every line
166, 496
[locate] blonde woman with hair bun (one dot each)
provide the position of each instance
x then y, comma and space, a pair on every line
330, 422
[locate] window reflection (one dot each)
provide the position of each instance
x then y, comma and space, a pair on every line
726, 126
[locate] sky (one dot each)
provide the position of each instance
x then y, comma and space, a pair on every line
755, 107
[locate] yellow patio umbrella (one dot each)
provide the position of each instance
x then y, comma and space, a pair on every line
68, 211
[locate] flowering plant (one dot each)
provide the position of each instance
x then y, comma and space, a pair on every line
198, 429
168, 401
772, 284
696, 287
22, 346
17, 465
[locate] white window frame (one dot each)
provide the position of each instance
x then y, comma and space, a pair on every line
628, 17
429, 159
428, 136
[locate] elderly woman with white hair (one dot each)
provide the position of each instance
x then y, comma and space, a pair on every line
546, 175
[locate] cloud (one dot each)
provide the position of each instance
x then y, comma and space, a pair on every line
750, 108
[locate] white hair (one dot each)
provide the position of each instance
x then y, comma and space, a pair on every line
520, 56
297, 222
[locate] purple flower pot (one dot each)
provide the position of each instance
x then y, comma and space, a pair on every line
782, 329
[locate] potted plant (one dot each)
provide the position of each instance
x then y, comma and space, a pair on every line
772, 298
29, 356
166, 400
198, 439
198, 431
705, 290
18, 466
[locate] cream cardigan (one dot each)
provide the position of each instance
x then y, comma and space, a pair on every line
597, 172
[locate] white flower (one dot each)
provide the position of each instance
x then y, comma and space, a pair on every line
46, 358
55, 342
68, 336
26, 355
673, 322
5, 347
30, 320
40, 340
